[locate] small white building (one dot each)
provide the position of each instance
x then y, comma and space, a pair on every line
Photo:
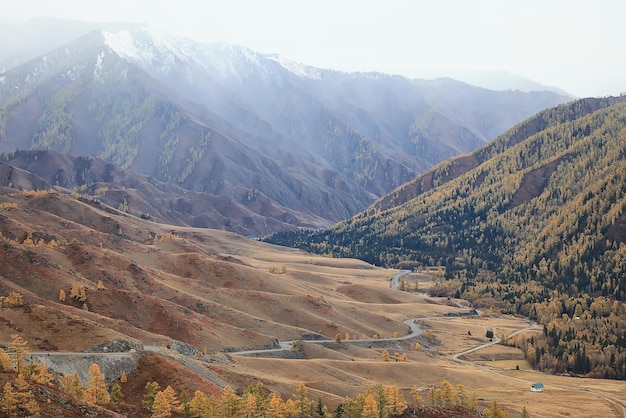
536, 387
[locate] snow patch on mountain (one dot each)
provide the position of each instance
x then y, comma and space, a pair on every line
160, 53
297, 68
98, 68
123, 44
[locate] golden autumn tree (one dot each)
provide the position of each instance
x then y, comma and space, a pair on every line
352, 407
123, 377
78, 292
96, 392
384, 356
161, 408
446, 392
62, 296
172, 399
17, 347
13, 300
256, 402
202, 406
395, 402
117, 397
276, 406
461, 396
197, 406
70, 383
250, 406
25, 399
9, 404
5, 361
495, 411
370, 407
230, 403
151, 389
39, 373
303, 405
417, 397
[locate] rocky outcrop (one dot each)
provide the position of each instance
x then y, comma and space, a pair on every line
116, 346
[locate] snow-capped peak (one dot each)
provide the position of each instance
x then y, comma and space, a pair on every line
162, 53
167, 54
150, 49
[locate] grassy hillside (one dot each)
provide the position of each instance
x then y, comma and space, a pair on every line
126, 278
534, 224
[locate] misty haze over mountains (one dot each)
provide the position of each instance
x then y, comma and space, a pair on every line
272, 144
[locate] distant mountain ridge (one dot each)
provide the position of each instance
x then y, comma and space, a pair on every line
473, 202
224, 120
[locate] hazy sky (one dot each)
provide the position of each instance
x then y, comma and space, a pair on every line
577, 45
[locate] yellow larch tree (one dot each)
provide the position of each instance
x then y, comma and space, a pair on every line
230, 403
117, 397
96, 392
14, 300
151, 390
161, 407
39, 373
495, 411
5, 361
25, 399
172, 399
276, 408
8, 405
17, 347
256, 403
70, 383
370, 407
250, 406
396, 404
417, 397
303, 404
461, 396
446, 392
202, 406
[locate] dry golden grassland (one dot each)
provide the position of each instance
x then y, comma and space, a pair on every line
216, 290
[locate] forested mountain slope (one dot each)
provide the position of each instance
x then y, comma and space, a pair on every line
534, 225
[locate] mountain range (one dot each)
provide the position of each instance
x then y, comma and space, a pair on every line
285, 144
